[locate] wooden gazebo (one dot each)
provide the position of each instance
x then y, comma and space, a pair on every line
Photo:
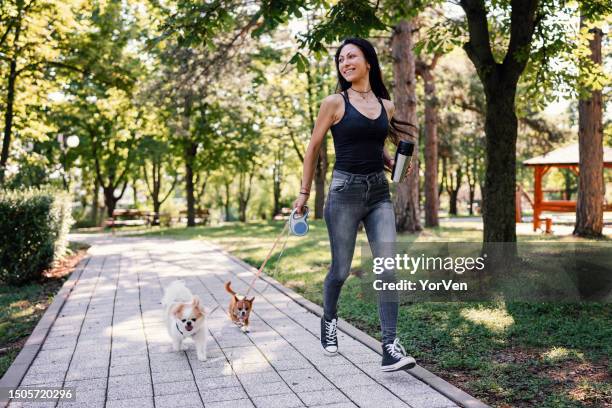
564, 157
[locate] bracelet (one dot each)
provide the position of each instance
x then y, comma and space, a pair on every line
305, 193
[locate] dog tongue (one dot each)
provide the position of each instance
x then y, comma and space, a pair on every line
189, 328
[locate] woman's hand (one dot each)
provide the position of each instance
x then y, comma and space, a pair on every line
389, 165
300, 202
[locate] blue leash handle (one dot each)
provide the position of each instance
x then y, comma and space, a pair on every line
299, 223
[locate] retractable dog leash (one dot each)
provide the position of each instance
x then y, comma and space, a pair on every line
298, 225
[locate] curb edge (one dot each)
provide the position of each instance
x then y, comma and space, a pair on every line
17, 370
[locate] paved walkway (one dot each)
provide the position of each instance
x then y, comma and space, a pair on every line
110, 343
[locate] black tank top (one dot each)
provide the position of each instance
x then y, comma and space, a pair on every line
359, 140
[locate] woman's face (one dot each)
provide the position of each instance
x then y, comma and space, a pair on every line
352, 63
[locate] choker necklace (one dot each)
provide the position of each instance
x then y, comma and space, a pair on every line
361, 92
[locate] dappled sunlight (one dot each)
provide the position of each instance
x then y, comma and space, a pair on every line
129, 329
558, 354
23, 312
497, 320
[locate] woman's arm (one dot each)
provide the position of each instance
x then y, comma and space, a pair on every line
322, 125
388, 159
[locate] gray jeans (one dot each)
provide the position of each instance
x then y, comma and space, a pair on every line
353, 198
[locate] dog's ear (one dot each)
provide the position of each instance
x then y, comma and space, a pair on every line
252, 299
236, 298
178, 310
197, 307
196, 301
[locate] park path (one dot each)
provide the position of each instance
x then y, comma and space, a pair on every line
110, 343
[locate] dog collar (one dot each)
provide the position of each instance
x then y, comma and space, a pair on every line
179, 330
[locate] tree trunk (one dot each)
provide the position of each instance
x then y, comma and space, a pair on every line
276, 181
135, 194
109, 200
442, 179
244, 193
471, 209
452, 203
95, 203
482, 196
319, 179
472, 175
589, 203
407, 212
156, 170
500, 81
500, 178
431, 143
226, 201
452, 189
201, 191
322, 159
190, 153
156, 208
8, 117
10, 101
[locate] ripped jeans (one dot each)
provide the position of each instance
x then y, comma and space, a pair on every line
353, 198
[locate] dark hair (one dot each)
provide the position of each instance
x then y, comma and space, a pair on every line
376, 82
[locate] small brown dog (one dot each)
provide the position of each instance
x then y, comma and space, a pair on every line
239, 308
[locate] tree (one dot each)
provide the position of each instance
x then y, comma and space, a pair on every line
500, 83
197, 44
113, 147
407, 209
589, 204
97, 100
32, 37
500, 80
243, 158
425, 71
431, 48
158, 164
360, 18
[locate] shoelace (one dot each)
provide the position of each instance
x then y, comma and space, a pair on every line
330, 331
396, 349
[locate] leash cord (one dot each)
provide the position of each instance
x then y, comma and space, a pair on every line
268, 257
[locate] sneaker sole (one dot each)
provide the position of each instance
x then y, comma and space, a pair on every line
329, 353
399, 365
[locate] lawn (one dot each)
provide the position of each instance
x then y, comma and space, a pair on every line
21, 307
508, 355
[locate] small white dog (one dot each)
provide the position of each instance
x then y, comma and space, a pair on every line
185, 317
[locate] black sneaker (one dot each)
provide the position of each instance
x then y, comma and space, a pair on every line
329, 338
395, 358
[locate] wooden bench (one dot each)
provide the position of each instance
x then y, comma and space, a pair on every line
125, 217
201, 216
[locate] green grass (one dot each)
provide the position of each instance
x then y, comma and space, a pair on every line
21, 307
515, 354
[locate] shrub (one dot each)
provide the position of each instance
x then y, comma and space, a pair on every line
34, 226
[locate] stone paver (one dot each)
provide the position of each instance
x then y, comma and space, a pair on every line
109, 341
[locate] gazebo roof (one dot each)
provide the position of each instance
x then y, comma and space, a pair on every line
564, 155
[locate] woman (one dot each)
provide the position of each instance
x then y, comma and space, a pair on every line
359, 191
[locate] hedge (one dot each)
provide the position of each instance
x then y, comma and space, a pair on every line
34, 226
